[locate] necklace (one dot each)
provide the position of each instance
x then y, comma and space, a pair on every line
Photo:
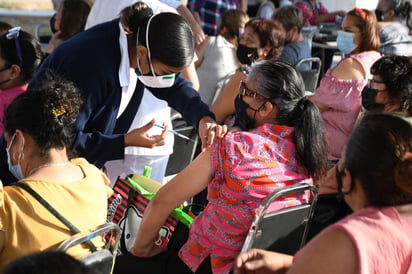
47, 165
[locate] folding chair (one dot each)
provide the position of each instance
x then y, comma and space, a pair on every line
101, 260
183, 149
310, 68
284, 230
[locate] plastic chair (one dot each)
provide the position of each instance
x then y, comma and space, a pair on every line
101, 260
310, 68
284, 230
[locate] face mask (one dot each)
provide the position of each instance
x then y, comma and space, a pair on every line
246, 55
284, 3
15, 169
52, 22
345, 42
368, 99
154, 81
242, 119
379, 15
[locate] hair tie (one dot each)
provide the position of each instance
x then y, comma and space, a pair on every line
302, 103
361, 13
63, 108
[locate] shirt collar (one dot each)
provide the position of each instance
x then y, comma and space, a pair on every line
124, 68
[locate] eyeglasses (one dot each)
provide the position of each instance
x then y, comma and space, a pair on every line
5, 68
371, 81
14, 34
244, 91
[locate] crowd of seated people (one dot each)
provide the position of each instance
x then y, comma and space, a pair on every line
274, 129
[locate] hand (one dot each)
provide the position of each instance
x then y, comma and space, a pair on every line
198, 33
209, 130
258, 261
54, 41
147, 252
139, 137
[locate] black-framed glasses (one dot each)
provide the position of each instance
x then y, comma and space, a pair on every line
14, 34
371, 81
244, 91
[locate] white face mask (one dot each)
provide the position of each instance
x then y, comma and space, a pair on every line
154, 81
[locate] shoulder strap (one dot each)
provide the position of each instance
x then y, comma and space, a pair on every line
44, 203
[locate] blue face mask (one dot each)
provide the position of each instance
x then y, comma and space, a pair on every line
345, 42
284, 3
15, 169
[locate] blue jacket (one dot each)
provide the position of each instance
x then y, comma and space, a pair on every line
91, 59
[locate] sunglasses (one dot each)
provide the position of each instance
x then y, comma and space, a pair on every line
244, 91
14, 34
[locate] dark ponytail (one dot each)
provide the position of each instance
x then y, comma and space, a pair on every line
136, 16
283, 84
309, 136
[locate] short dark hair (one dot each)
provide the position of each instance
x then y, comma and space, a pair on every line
289, 16
379, 154
34, 112
170, 36
396, 73
283, 84
270, 33
32, 54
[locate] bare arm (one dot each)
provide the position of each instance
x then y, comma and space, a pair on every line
185, 185
224, 104
190, 74
331, 252
320, 106
198, 33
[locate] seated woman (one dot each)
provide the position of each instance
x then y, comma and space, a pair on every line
262, 40
390, 89
284, 145
394, 26
70, 19
376, 180
20, 56
38, 133
217, 54
339, 93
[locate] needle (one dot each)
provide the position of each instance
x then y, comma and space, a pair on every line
175, 133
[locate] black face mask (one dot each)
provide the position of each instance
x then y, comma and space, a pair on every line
52, 21
368, 99
242, 119
379, 15
246, 55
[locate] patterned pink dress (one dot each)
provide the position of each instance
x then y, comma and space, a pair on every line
343, 97
247, 166
6, 97
309, 15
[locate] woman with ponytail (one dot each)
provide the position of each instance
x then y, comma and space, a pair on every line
99, 61
375, 179
283, 144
